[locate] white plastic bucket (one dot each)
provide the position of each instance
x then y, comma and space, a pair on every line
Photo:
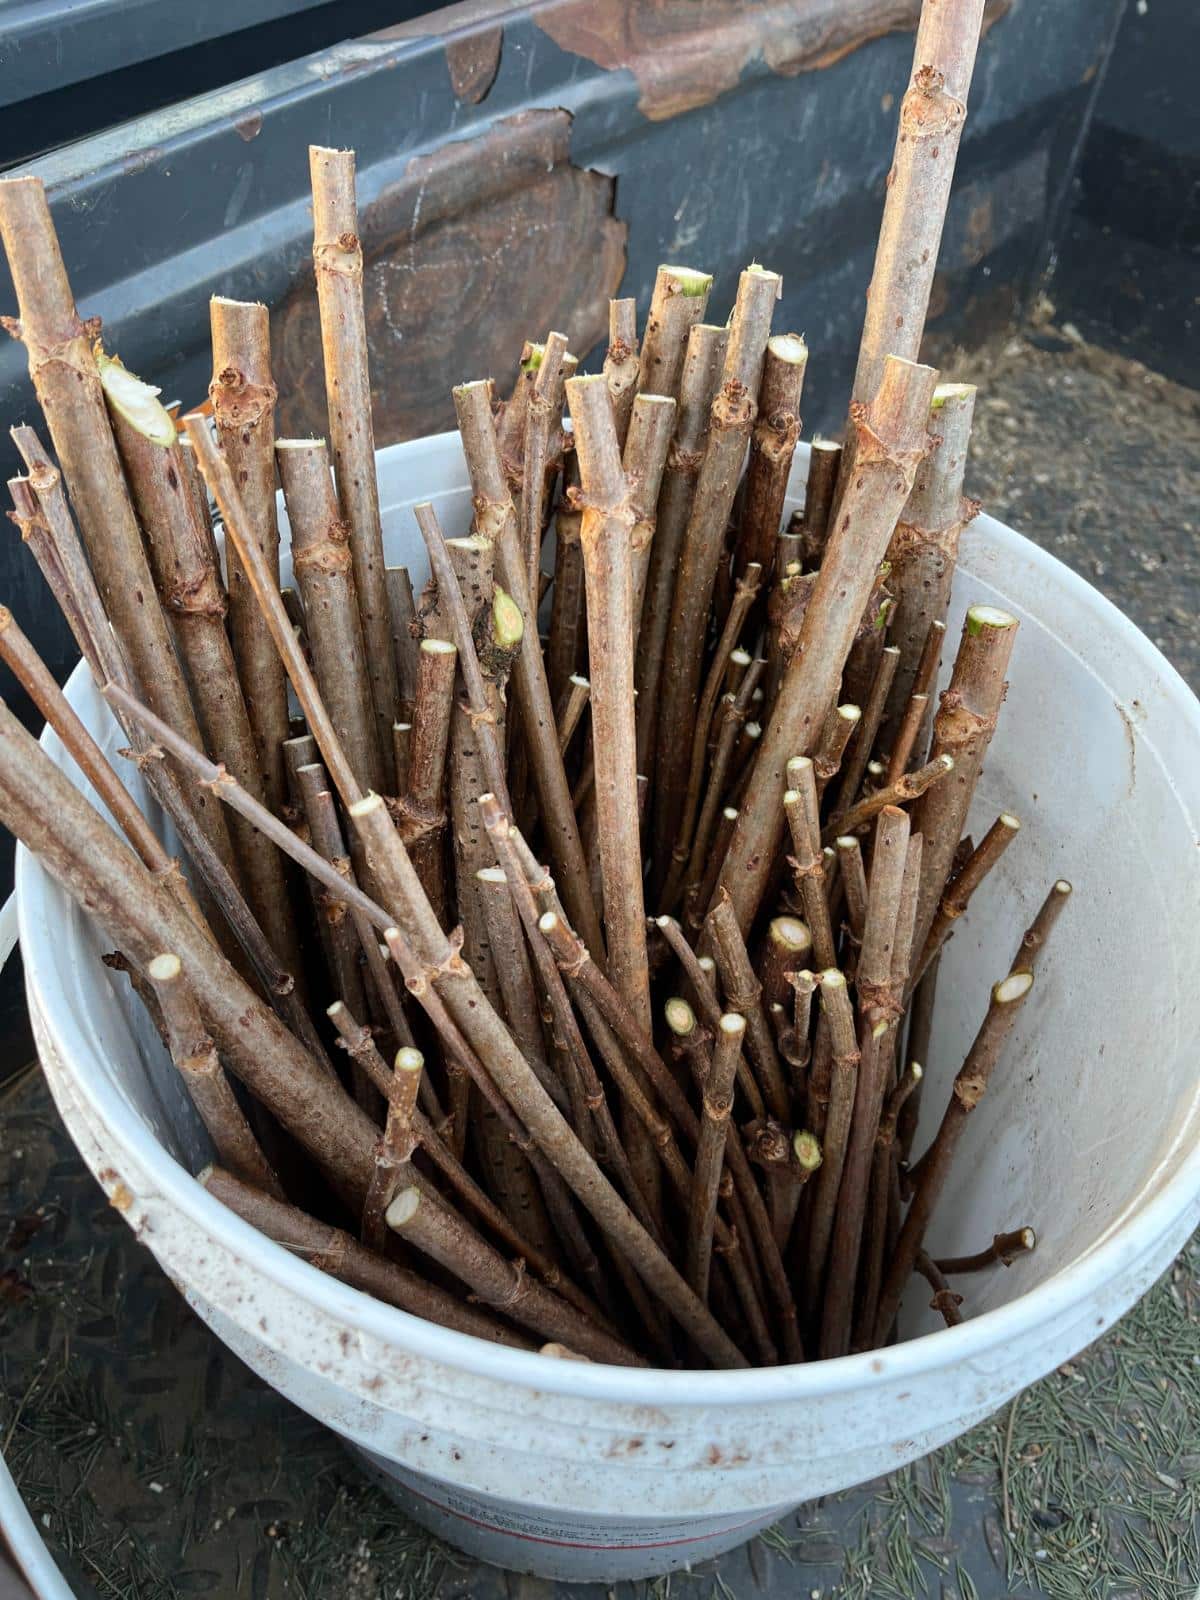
1089, 1134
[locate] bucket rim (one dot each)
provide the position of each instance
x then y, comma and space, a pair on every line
1071, 1287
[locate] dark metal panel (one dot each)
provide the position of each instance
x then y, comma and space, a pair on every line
51, 44
731, 131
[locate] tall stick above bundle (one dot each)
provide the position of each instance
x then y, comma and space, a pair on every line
699, 1161
337, 259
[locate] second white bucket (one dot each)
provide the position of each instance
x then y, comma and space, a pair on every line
1088, 1134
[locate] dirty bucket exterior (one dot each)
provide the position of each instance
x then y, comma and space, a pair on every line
1089, 1134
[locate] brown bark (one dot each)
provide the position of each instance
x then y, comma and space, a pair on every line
745, 593
878, 986
725, 757
910, 735
621, 364
909, 786
423, 804
65, 377
969, 1088
323, 569
823, 463
243, 401
963, 729
962, 886
732, 417
564, 650
772, 446
1004, 1249
644, 461
587, 979
924, 548
706, 348
678, 303
196, 1059
44, 809
403, 612
495, 518
178, 539
717, 1104
743, 993
431, 1226
39, 684
543, 415
608, 520
840, 725
845, 1067
875, 1230
932, 114
786, 949
891, 439
855, 767
802, 809
337, 262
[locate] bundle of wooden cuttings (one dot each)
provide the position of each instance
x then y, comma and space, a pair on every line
493, 1092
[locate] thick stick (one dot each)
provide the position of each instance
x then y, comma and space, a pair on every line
909, 786
265, 589
188, 581
820, 488
64, 373
844, 1072
588, 1098
717, 1103
243, 400
1004, 1249
840, 725
608, 520
958, 894
931, 120
39, 684
891, 438
337, 262
969, 1088
433, 1227
403, 612
464, 1000
802, 809
743, 992
544, 413
732, 418
678, 303
621, 365
515, 979
864, 743
322, 566
744, 595
882, 968
195, 1056
702, 365
43, 808
587, 980
924, 548
423, 804
564, 650
733, 730
496, 519
644, 461
908, 730
962, 729
342, 1257
772, 446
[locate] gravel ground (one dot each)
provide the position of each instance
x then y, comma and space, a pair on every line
159, 1466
